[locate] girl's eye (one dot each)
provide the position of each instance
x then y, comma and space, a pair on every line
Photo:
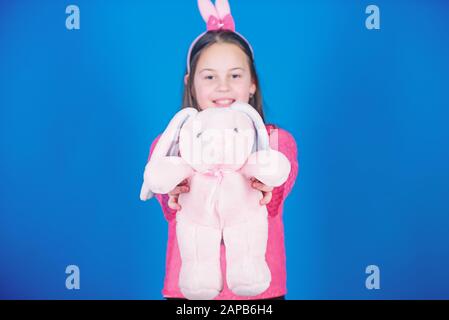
235, 76
209, 77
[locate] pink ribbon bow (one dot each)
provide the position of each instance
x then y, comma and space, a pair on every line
227, 23
213, 196
218, 16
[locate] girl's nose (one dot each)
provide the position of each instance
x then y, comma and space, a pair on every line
223, 85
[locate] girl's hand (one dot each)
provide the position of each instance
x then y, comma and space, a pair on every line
266, 191
183, 187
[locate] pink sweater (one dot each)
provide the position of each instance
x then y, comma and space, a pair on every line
275, 254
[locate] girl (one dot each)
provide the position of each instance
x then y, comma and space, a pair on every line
220, 71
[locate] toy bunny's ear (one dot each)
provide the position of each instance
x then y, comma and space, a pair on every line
168, 144
223, 8
207, 9
261, 141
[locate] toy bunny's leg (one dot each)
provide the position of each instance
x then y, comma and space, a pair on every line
247, 272
200, 276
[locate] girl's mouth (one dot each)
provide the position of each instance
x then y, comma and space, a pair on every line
223, 102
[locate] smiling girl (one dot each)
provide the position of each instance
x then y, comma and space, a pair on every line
221, 71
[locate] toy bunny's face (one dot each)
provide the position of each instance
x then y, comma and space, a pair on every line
217, 138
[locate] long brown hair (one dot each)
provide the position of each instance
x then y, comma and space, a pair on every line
208, 39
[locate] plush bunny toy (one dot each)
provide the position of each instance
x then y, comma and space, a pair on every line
218, 150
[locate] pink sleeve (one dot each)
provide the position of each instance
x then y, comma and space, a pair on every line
162, 198
284, 142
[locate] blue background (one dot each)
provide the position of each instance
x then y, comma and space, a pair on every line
368, 109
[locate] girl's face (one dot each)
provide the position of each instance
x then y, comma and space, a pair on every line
222, 76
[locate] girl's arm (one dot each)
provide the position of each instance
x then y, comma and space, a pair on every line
284, 142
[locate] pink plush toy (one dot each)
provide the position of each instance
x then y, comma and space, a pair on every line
218, 150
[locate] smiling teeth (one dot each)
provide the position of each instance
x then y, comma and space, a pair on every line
226, 101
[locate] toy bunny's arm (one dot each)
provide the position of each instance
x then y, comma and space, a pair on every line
270, 167
163, 174
166, 169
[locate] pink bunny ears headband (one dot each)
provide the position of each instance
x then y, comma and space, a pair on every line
217, 17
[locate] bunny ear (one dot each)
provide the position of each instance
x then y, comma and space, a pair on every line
223, 8
261, 141
207, 9
168, 144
